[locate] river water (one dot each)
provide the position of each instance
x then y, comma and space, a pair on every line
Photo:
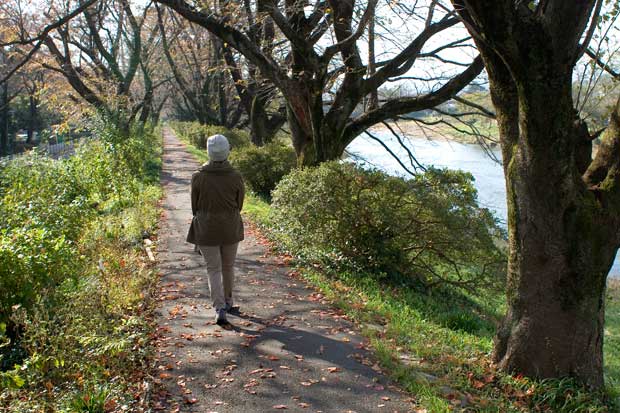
488, 174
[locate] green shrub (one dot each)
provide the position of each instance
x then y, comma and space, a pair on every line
429, 228
197, 134
41, 193
46, 204
31, 261
263, 167
73, 285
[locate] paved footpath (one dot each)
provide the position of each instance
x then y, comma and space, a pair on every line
289, 349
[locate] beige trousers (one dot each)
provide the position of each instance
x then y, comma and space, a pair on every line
220, 261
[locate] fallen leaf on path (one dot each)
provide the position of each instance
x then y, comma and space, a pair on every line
280, 407
303, 405
334, 369
251, 383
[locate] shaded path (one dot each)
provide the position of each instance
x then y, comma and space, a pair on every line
288, 349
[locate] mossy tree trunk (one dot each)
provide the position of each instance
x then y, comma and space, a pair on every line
563, 217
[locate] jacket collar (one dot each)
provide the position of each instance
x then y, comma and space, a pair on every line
217, 166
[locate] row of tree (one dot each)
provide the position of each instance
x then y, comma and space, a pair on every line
317, 69
259, 64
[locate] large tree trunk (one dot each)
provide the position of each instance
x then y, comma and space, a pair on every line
314, 138
561, 247
563, 219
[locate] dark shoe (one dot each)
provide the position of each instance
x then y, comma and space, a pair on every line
232, 309
220, 317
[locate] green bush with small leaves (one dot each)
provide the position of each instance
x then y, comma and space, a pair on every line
31, 262
74, 283
428, 228
263, 167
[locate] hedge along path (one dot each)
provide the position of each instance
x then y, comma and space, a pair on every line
289, 350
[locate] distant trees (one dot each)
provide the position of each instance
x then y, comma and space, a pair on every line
315, 62
211, 78
563, 203
108, 39
104, 49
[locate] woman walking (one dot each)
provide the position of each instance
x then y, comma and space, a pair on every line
217, 198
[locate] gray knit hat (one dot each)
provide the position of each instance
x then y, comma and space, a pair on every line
218, 148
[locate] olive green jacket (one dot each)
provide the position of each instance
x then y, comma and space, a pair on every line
217, 199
